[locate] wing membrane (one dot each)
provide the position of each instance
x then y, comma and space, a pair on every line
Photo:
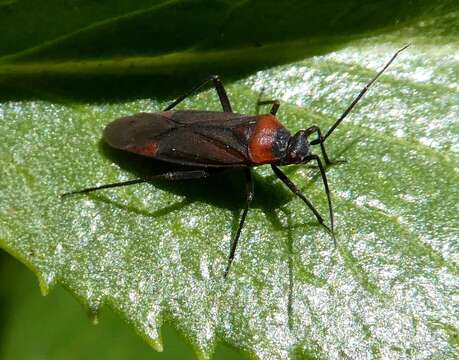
199, 138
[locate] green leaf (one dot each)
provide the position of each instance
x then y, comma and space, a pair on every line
156, 252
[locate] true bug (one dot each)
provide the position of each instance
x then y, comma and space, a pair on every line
209, 142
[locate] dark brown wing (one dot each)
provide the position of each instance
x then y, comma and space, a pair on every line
197, 138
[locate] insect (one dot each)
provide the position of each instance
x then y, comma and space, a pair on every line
210, 142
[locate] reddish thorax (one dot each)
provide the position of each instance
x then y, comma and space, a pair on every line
263, 138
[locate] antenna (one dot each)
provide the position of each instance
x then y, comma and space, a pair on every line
356, 100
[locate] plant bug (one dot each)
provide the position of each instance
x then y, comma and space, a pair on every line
209, 142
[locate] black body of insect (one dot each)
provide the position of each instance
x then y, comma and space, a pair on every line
210, 142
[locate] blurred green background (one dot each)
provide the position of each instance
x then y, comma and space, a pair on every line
123, 49
57, 327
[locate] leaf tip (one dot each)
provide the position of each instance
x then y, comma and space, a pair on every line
156, 344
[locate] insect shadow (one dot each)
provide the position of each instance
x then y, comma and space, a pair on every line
224, 190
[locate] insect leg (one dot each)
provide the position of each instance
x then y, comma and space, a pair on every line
280, 174
171, 176
319, 140
274, 108
275, 104
327, 191
359, 96
248, 200
218, 87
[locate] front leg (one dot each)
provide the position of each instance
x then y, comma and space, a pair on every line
284, 178
320, 141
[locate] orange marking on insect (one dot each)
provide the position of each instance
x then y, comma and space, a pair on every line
262, 139
147, 150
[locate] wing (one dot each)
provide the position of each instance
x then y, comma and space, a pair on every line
198, 138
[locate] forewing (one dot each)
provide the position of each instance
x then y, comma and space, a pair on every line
205, 138
198, 138
139, 130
